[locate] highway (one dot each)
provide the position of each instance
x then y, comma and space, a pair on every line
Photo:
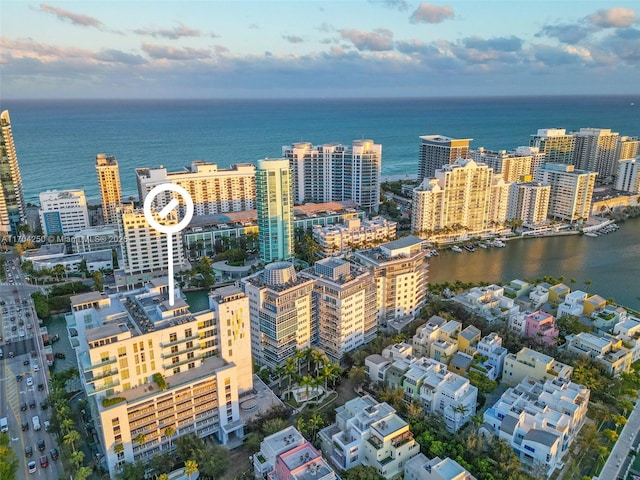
24, 378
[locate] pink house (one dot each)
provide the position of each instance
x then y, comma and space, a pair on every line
303, 462
541, 327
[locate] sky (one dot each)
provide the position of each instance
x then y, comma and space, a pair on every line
311, 49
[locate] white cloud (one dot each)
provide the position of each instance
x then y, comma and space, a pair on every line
427, 13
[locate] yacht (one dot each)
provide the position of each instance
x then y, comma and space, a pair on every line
482, 245
456, 249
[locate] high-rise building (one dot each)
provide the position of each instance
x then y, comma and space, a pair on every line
596, 150
628, 147
628, 178
401, 270
438, 150
150, 368
538, 158
13, 211
334, 172
212, 189
110, 189
512, 167
571, 190
555, 143
63, 212
274, 202
530, 203
144, 249
344, 305
280, 311
464, 199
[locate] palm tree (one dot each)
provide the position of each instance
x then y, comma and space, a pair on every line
71, 438
66, 425
118, 448
315, 423
163, 476
459, 409
190, 467
140, 438
169, 432
77, 457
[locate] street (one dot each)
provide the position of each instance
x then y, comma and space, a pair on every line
618, 460
24, 380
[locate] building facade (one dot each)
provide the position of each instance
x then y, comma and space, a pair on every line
529, 363
571, 190
103, 237
512, 167
110, 188
529, 202
422, 468
437, 151
628, 178
354, 233
334, 172
212, 189
63, 212
556, 144
274, 201
13, 211
596, 150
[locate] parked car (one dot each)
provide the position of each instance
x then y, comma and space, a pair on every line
60, 355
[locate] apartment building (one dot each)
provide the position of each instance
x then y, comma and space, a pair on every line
537, 157
343, 306
628, 175
628, 147
529, 363
512, 167
491, 355
422, 468
103, 237
573, 304
437, 151
155, 371
426, 334
529, 202
212, 189
541, 327
369, 433
110, 188
339, 239
490, 302
540, 420
607, 352
335, 172
287, 455
63, 212
13, 210
596, 150
401, 271
438, 390
556, 144
462, 199
627, 329
571, 190
280, 305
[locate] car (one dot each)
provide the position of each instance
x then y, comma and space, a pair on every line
32, 403
60, 355
28, 451
14, 328
11, 355
23, 406
34, 354
47, 426
54, 454
36, 367
18, 377
26, 362
44, 405
41, 445
25, 426
24, 302
29, 381
29, 326
27, 314
44, 461
32, 467
40, 387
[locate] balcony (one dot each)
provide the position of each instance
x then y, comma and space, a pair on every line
180, 352
92, 389
400, 440
102, 376
103, 363
179, 340
375, 442
386, 460
167, 366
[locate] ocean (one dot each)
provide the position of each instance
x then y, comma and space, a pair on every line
57, 140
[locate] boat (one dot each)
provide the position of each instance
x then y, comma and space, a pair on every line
482, 245
499, 243
469, 247
434, 253
590, 234
456, 249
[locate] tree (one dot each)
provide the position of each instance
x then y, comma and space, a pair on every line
8, 458
118, 448
71, 438
274, 425
140, 438
357, 374
361, 473
132, 471
98, 281
82, 473
169, 432
190, 467
77, 457
163, 476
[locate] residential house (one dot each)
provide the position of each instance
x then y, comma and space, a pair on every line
529, 363
491, 355
541, 327
422, 468
605, 351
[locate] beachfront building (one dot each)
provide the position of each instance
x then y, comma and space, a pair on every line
628, 147
428, 382
529, 363
335, 172
343, 305
369, 433
541, 327
154, 371
596, 150
556, 144
422, 468
274, 201
573, 304
606, 351
212, 189
13, 211
280, 306
529, 202
110, 188
627, 329
437, 151
287, 455
571, 190
354, 233
144, 249
512, 167
489, 302
464, 199
401, 271
63, 212
557, 293
628, 177
539, 420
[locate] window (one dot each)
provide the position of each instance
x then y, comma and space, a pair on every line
173, 337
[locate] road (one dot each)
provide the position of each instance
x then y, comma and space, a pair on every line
618, 461
23, 363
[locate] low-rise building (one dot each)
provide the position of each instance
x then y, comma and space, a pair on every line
573, 304
541, 327
606, 351
539, 295
103, 237
422, 468
489, 302
592, 305
491, 355
369, 433
468, 340
427, 334
539, 420
558, 292
341, 238
529, 363
627, 329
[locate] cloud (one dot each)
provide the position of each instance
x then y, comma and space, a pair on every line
416, 47
174, 33
502, 44
567, 33
617, 17
628, 33
73, 18
172, 53
118, 56
401, 5
427, 13
293, 38
552, 56
377, 41
326, 28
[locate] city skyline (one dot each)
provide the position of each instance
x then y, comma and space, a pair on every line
382, 47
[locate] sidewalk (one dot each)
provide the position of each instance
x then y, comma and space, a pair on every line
629, 435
